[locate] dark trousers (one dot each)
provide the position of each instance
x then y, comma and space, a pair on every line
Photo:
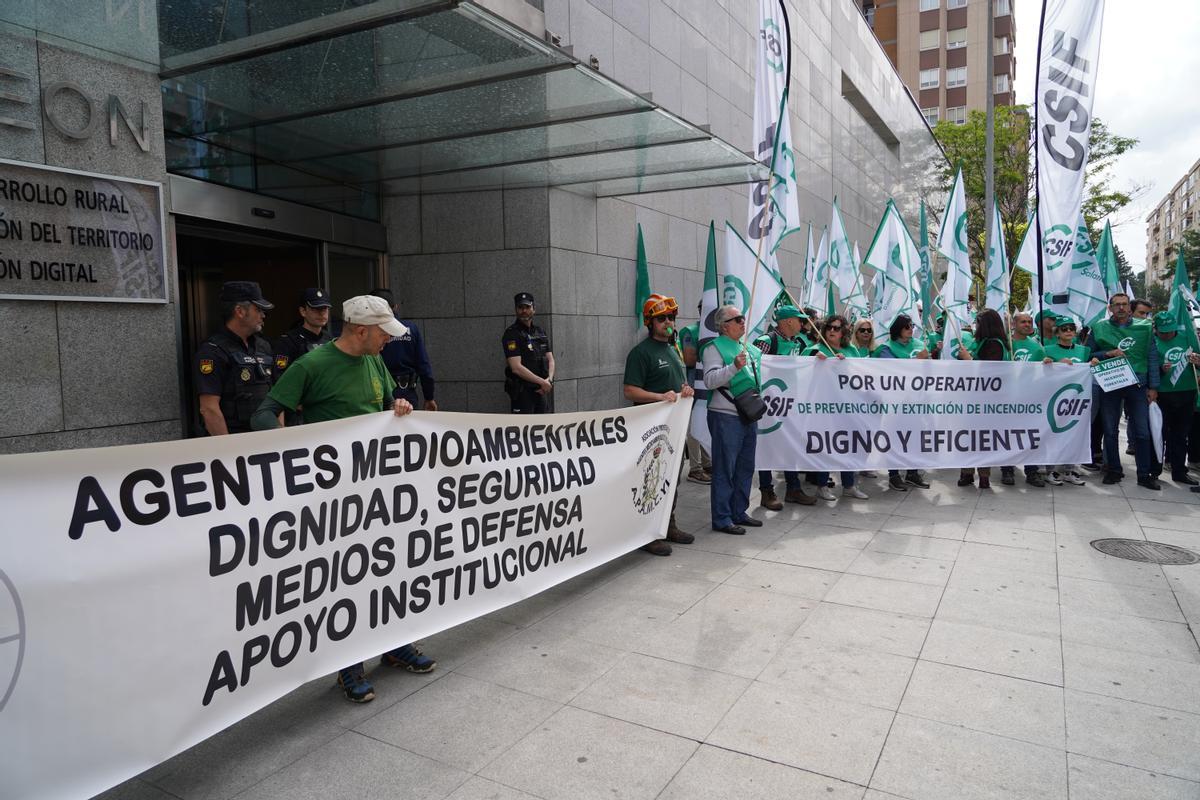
766, 480
526, 400
1177, 409
1133, 400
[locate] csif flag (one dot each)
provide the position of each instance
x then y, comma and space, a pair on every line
952, 244
897, 263
748, 284
998, 278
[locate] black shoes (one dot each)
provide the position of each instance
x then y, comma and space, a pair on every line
750, 522
732, 530
1149, 482
1034, 479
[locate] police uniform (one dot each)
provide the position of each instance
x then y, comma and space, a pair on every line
532, 345
408, 362
239, 372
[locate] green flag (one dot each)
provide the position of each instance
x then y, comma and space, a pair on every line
642, 290
709, 299
1106, 256
1178, 303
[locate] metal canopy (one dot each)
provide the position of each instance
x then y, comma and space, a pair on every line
334, 107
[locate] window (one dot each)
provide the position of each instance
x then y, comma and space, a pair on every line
1001, 8
956, 38
956, 3
1000, 45
1002, 84
931, 78
956, 76
930, 5
957, 115
930, 115
930, 39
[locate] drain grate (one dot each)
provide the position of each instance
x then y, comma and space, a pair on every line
1147, 552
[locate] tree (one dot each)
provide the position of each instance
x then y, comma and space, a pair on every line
1101, 199
1189, 244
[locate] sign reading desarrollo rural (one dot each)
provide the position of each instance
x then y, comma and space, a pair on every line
68, 235
162, 592
857, 414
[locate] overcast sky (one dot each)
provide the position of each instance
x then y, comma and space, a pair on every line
1147, 88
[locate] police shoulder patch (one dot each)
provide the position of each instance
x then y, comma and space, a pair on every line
206, 366
281, 362
512, 345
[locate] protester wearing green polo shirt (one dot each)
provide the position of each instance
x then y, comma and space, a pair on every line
1121, 336
654, 372
1064, 350
834, 330
786, 339
1176, 393
901, 344
1025, 346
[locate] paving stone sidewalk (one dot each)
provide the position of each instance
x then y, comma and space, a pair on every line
945, 643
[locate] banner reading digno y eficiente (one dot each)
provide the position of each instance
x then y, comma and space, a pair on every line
152, 595
858, 414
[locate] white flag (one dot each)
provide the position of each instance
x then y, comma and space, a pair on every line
1068, 58
810, 262
843, 267
1088, 301
998, 279
897, 262
952, 243
740, 282
774, 203
1128, 290
817, 292
1026, 260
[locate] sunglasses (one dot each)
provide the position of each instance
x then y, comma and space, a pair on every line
863, 330
740, 320
665, 318
834, 328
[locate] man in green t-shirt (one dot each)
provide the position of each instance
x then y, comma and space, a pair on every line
1025, 346
347, 378
654, 373
787, 339
1176, 393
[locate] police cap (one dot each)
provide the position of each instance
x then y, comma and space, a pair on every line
244, 292
522, 299
315, 298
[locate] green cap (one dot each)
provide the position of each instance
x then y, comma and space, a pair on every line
1165, 322
1041, 315
789, 312
1062, 320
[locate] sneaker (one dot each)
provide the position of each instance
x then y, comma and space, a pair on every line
1073, 478
825, 493
915, 479
353, 681
897, 484
410, 658
798, 496
1008, 476
699, 476
869, 473
854, 493
658, 547
1034, 479
1054, 479
769, 501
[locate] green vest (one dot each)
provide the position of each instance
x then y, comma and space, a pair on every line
823, 348
1133, 339
747, 376
1078, 353
787, 347
854, 351
1170, 353
909, 350
1027, 349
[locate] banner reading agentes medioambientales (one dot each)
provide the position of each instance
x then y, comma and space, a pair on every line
152, 595
858, 414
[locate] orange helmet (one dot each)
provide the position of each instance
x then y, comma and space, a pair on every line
657, 305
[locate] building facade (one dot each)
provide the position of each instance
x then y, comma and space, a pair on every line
457, 151
1176, 213
939, 47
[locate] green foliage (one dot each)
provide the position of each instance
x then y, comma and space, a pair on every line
1189, 245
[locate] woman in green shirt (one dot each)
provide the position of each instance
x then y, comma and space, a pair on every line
863, 339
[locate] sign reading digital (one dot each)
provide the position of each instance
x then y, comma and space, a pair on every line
69, 235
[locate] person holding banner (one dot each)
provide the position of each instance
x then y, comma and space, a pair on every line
1122, 336
863, 342
731, 372
654, 373
833, 332
901, 344
1064, 350
346, 378
1176, 394
787, 339
990, 343
1025, 347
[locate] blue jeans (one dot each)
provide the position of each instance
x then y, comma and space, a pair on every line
848, 479
733, 445
1137, 407
766, 479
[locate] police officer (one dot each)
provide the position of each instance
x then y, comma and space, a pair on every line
233, 369
312, 332
407, 360
529, 374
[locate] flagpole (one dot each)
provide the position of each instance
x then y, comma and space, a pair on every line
1041, 269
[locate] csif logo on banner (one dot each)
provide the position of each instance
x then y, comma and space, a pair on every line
1067, 406
778, 404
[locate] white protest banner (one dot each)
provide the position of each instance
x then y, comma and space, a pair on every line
1068, 59
858, 414
155, 594
1113, 374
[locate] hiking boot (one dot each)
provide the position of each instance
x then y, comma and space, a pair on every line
658, 547
914, 479
1034, 479
769, 501
699, 476
353, 681
1008, 476
966, 477
409, 658
798, 496
677, 534
897, 484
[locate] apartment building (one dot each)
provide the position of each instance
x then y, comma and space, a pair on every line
1177, 212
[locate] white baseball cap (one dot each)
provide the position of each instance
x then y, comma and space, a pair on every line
367, 309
